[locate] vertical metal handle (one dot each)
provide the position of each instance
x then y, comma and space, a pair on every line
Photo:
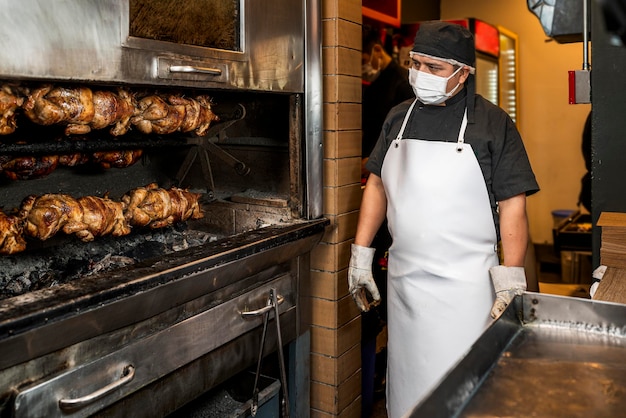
281, 359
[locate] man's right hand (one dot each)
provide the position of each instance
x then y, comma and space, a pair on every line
360, 277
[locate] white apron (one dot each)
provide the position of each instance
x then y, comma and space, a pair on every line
444, 242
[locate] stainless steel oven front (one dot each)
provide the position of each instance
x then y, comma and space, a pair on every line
242, 44
264, 55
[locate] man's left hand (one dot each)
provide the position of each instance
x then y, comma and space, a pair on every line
507, 282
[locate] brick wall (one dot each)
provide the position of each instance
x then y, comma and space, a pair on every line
336, 330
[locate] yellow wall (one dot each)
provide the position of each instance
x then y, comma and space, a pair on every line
550, 126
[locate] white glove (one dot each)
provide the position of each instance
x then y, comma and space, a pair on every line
360, 278
597, 274
508, 282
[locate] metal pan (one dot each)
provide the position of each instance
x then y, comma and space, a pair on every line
546, 356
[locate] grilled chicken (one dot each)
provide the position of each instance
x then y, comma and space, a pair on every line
9, 102
48, 214
156, 115
207, 117
49, 105
101, 216
113, 109
192, 112
30, 167
72, 160
155, 207
11, 239
33, 167
198, 113
83, 110
184, 205
80, 109
117, 159
87, 217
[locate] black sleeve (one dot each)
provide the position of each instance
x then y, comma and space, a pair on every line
511, 170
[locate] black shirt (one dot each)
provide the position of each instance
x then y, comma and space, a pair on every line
493, 136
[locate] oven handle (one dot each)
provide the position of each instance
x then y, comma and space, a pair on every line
269, 307
194, 69
128, 373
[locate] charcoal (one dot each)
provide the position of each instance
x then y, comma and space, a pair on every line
67, 259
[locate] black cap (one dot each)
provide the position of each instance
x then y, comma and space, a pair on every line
447, 40
440, 39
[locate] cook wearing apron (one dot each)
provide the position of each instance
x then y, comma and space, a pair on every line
437, 173
439, 292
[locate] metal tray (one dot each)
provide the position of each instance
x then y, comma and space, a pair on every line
546, 356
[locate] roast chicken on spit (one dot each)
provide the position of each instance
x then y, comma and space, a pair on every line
48, 105
113, 109
74, 159
34, 167
48, 214
101, 216
10, 101
176, 114
87, 217
80, 109
11, 239
29, 167
156, 207
117, 159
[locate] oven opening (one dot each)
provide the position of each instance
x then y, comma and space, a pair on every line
242, 172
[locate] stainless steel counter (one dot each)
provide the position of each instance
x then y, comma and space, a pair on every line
546, 356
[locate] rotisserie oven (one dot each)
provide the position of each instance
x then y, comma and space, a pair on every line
160, 169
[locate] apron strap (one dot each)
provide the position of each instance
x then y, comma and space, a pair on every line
404, 122
461, 139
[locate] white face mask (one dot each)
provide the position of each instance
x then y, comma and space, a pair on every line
369, 73
430, 88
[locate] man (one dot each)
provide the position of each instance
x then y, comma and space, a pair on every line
451, 175
385, 84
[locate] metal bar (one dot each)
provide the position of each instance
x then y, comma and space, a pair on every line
194, 70
128, 373
313, 109
255, 390
240, 167
281, 358
263, 310
586, 65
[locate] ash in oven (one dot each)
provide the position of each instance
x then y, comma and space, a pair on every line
73, 259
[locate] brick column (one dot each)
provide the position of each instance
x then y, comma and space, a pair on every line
336, 330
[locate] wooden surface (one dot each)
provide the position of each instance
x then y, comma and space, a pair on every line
612, 287
612, 219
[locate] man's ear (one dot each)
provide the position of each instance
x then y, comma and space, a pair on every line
465, 73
